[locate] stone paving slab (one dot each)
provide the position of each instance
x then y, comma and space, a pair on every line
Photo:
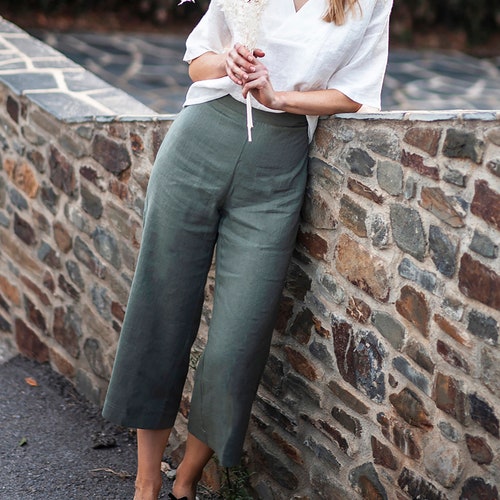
150, 67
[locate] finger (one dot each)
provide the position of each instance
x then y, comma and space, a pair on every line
244, 52
259, 53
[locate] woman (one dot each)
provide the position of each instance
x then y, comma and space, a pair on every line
211, 187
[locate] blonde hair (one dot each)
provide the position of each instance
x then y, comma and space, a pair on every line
337, 10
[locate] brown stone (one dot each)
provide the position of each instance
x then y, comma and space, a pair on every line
412, 305
17, 254
476, 488
452, 357
411, 408
330, 431
13, 108
416, 162
300, 363
382, 455
426, 139
34, 315
62, 173
479, 282
285, 312
67, 287
352, 424
479, 450
319, 329
486, 203
61, 364
62, 237
362, 268
136, 143
289, 450
89, 173
48, 281
348, 398
315, 245
364, 191
317, 209
10, 291
113, 156
67, 330
9, 165
451, 330
119, 189
353, 216
24, 231
25, 179
29, 344
358, 310
443, 207
302, 326
449, 397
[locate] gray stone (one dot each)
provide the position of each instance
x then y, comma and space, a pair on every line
328, 177
463, 144
32, 137
49, 256
443, 462
76, 149
77, 218
453, 308
85, 255
417, 487
4, 220
353, 216
49, 197
484, 327
364, 480
21, 82
101, 301
379, 232
322, 453
418, 353
18, 199
390, 177
408, 231
85, 386
336, 292
93, 353
391, 329
383, 142
407, 269
320, 351
75, 274
455, 177
443, 251
490, 369
107, 246
483, 245
484, 414
66, 106
91, 203
410, 189
449, 432
85, 132
113, 156
360, 162
414, 376
494, 167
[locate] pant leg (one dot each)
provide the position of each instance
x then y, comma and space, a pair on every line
189, 179
256, 238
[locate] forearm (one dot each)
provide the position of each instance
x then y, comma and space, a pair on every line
315, 102
207, 66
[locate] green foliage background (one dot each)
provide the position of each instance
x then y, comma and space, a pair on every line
479, 19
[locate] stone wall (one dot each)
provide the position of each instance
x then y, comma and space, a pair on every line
383, 380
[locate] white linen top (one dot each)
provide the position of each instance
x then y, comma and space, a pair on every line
303, 52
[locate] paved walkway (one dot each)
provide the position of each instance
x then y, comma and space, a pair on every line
150, 68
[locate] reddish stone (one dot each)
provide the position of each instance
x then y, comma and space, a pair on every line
359, 310
362, 268
479, 282
412, 305
136, 143
443, 207
416, 162
350, 400
452, 357
411, 408
67, 287
113, 156
17, 254
451, 330
405, 440
119, 189
330, 431
185, 407
382, 455
10, 291
37, 159
61, 364
353, 216
364, 191
25, 179
89, 173
315, 245
449, 397
9, 165
486, 203
476, 488
426, 139
289, 450
48, 281
24, 231
29, 344
285, 312
300, 363
479, 450
62, 237
62, 173
117, 310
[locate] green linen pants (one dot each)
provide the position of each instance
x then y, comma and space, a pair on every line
210, 188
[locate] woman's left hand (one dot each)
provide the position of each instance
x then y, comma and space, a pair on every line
259, 85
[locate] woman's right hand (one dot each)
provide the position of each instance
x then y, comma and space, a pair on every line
240, 62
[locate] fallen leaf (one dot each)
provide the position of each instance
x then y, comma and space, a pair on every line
122, 474
31, 381
23, 441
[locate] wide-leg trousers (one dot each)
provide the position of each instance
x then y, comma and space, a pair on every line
210, 188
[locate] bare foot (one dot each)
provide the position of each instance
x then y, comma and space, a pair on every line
147, 490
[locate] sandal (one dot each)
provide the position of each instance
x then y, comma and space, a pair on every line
173, 497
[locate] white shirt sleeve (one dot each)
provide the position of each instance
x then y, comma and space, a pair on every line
362, 77
210, 35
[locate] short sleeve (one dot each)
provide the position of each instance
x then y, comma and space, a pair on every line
210, 35
362, 77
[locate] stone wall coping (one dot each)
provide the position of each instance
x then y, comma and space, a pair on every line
426, 116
